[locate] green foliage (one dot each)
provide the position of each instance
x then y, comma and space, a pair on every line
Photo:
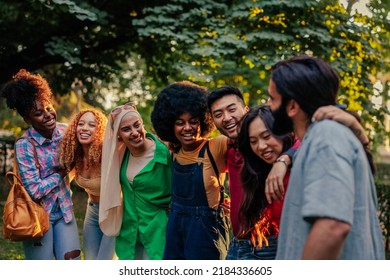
383, 194
132, 49
237, 42
65, 40
82, 13
68, 50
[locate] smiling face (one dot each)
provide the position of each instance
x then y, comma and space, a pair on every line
132, 132
86, 128
226, 113
187, 131
262, 142
42, 118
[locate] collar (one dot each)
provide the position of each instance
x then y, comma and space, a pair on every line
32, 133
160, 153
233, 144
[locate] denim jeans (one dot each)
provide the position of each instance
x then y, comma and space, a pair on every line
196, 233
62, 238
242, 249
97, 246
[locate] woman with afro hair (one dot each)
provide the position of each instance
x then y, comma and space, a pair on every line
31, 96
81, 151
197, 225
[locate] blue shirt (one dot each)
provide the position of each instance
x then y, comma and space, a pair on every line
331, 178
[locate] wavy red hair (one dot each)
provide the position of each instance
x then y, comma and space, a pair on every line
72, 154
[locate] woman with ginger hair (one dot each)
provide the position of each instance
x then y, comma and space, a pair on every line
82, 152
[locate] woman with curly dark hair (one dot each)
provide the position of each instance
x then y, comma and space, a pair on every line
197, 227
81, 151
31, 96
261, 149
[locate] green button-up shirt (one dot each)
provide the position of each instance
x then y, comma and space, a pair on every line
145, 205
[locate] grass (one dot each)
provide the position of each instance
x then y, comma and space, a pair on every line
14, 250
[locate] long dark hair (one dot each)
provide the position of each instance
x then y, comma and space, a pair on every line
255, 170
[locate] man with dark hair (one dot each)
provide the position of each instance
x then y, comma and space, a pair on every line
227, 107
330, 206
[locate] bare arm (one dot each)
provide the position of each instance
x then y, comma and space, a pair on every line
274, 187
325, 240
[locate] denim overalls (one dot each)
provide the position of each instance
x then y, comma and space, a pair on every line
194, 231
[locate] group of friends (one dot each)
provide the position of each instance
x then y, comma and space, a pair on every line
290, 179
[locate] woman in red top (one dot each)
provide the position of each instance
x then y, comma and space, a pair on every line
259, 219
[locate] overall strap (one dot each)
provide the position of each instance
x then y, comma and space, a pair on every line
201, 152
221, 187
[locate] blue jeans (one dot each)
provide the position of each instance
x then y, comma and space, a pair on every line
61, 241
97, 245
242, 249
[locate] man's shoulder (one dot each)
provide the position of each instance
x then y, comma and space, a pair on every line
330, 129
328, 133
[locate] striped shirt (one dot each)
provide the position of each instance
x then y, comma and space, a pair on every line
44, 184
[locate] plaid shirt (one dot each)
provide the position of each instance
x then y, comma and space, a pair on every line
44, 184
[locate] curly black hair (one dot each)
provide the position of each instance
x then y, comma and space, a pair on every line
175, 100
23, 90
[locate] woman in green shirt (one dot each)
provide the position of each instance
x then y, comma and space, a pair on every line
136, 186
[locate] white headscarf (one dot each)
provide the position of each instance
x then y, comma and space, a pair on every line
111, 200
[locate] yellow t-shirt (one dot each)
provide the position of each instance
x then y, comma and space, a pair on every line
218, 148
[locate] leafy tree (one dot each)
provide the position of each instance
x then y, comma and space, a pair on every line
85, 49
131, 49
88, 40
237, 42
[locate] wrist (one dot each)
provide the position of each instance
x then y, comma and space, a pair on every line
284, 161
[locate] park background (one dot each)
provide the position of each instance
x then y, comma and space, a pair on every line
104, 53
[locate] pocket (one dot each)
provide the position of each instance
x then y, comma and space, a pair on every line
182, 183
266, 252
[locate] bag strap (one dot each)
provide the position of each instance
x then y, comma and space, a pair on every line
221, 187
14, 177
16, 173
